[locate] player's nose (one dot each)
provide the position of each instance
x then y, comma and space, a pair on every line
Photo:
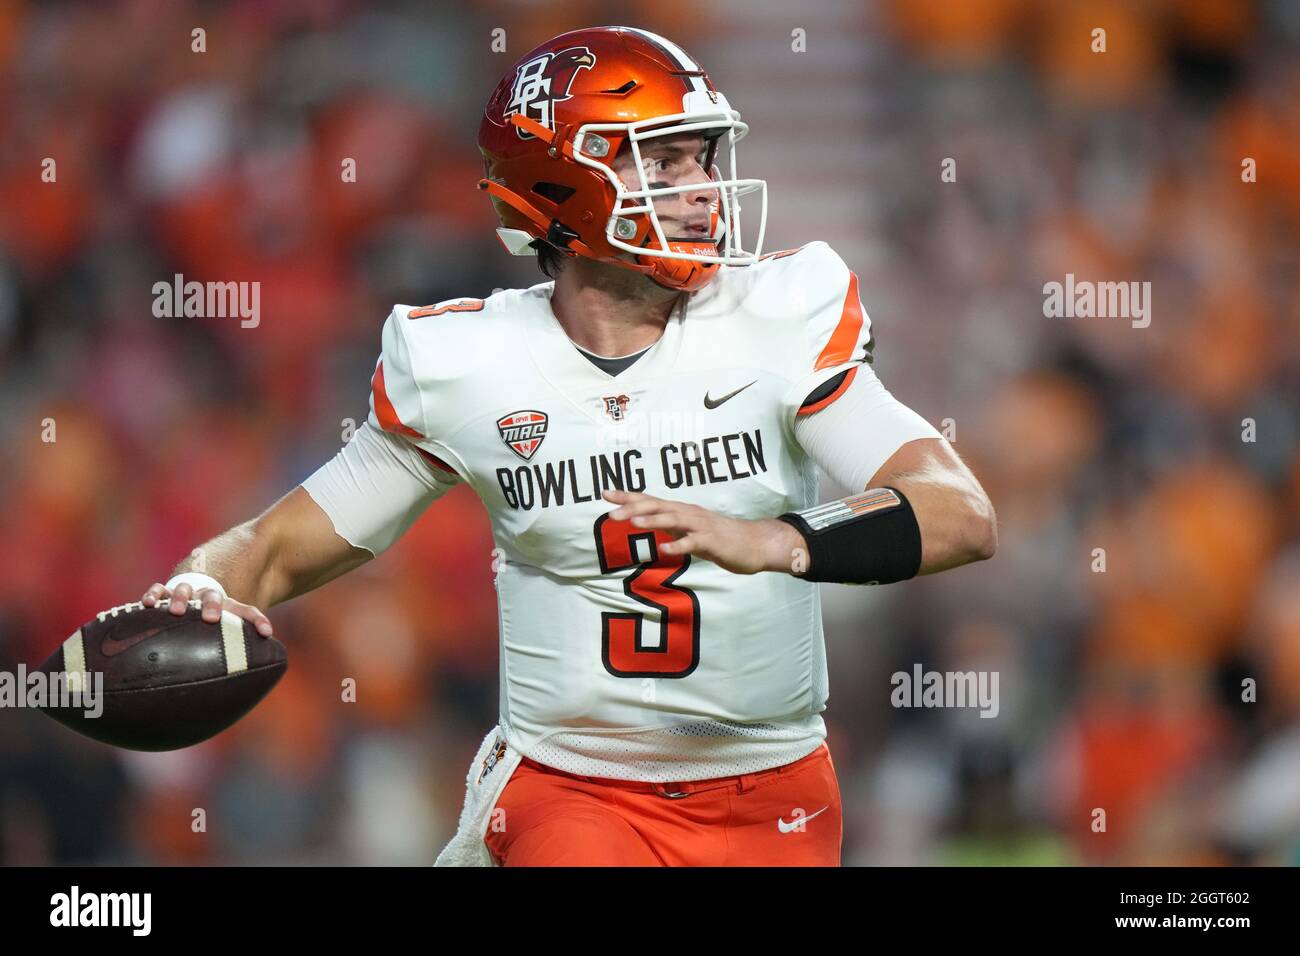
698, 176
698, 201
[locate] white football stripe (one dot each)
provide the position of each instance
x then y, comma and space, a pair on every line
74, 661
232, 636
681, 56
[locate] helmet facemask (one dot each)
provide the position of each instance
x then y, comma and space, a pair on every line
634, 225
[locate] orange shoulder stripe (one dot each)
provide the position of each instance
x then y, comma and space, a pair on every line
384, 409
470, 305
844, 339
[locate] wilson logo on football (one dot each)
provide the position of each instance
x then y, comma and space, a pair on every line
544, 81
523, 432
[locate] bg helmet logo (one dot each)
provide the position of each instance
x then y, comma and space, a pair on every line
544, 81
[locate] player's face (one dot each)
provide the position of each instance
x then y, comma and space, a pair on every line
682, 159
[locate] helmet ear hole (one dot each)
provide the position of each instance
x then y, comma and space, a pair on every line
555, 192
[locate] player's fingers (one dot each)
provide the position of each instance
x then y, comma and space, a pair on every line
665, 520
633, 502
181, 595
249, 613
212, 604
617, 497
156, 593
686, 544
690, 517
645, 505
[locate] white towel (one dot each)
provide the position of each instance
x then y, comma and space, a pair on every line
492, 766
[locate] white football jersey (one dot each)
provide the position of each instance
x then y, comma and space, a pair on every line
617, 661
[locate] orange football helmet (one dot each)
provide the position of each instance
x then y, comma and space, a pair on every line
563, 112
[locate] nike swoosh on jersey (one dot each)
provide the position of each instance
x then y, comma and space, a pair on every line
715, 402
787, 827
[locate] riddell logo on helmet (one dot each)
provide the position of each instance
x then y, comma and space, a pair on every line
544, 81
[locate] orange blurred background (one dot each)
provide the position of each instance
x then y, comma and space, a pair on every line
1121, 688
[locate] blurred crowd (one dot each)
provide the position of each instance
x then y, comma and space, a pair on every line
1143, 611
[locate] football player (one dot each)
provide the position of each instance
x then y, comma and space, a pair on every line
644, 430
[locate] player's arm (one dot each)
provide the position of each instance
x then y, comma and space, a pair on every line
913, 495
954, 516
351, 509
920, 509
290, 548
917, 508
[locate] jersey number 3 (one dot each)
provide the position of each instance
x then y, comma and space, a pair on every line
671, 650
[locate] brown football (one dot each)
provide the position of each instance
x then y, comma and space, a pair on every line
168, 681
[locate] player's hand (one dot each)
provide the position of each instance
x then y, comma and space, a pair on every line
736, 544
213, 604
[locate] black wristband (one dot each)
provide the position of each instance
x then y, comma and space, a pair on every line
867, 538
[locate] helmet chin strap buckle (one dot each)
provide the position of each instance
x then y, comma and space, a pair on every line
560, 235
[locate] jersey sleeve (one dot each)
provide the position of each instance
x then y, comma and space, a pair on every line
413, 391
396, 404
835, 330
375, 488
394, 467
860, 431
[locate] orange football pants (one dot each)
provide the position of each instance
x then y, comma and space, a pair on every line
786, 816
